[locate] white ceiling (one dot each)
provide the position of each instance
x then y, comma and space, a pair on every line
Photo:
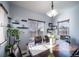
44, 6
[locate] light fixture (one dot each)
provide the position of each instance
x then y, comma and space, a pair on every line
52, 12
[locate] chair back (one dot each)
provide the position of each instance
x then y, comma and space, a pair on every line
16, 50
76, 53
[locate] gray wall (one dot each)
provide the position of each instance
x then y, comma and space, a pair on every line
2, 47
19, 13
71, 13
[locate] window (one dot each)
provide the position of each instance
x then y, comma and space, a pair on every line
3, 24
36, 28
63, 27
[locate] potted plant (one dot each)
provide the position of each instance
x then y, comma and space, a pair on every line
11, 33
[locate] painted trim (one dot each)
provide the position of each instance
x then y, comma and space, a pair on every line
63, 21
4, 8
36, 20
3, 42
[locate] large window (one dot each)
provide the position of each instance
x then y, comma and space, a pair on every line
3, 24
36, 28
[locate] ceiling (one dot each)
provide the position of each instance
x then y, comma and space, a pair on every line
44, 6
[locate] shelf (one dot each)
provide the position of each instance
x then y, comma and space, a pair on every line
22, 27
24, 20
15, 23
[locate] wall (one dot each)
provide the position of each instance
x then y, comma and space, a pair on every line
75, 32
2, 46
19, 13
72, 14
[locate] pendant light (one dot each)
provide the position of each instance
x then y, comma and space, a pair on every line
52, 12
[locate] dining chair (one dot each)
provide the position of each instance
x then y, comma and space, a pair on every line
25, 52
75, 53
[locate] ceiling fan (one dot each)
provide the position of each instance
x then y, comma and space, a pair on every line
52, 12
